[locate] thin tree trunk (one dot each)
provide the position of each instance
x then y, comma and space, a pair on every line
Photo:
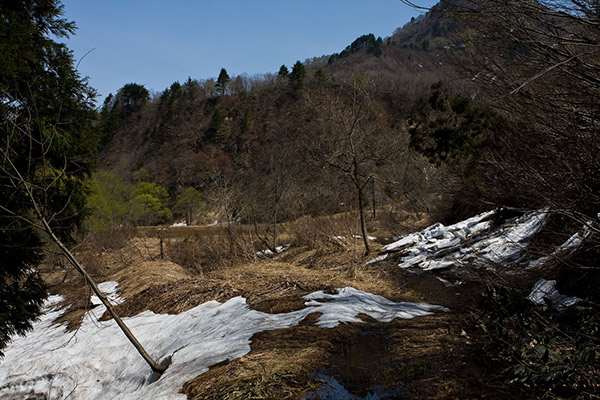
373, 194
275, 226
363, 226
156, 367
361, 208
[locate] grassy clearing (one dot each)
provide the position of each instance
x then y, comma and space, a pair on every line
424, 357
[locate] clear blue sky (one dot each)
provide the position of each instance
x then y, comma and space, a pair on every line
158, 42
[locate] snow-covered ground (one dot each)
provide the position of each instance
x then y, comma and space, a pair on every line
472, 241
97, 362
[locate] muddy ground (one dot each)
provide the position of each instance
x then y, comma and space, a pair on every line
433, 357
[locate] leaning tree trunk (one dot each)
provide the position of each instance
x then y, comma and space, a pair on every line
156, 367
373, 197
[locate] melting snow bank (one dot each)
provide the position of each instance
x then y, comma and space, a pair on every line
469, 241
545, 291
97, 362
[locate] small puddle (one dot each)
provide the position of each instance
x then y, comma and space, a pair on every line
357, 369
333, 390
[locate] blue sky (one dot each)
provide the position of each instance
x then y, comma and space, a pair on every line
157, 42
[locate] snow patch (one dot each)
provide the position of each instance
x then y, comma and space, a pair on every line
110, 289
343, 308
97, 361
564, 249
467, 242
368, 237
545, 291
269, 253
377, 259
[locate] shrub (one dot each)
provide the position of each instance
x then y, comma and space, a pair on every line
545, 351
207, 251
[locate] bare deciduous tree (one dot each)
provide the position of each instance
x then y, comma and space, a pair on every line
354, 138
540, 60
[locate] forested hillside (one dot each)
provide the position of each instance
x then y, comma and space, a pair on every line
285, 139
449, 172
465, 108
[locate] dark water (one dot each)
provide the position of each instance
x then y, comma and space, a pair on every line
333, 390
356, 369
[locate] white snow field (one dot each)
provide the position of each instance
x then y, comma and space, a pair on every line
97, 362
467, 242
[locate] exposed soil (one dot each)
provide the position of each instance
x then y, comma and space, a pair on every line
435, 357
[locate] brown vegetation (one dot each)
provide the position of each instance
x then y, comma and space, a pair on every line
402, 357
316, 165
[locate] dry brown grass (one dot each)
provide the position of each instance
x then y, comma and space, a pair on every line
281, 362
198, 266
209, 252
278, 367
147, 274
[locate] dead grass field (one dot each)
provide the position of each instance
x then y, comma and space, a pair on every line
426, 357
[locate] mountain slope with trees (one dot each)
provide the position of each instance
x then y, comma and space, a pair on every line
471, 107
486, 119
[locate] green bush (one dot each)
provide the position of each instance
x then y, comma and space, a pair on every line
545, 351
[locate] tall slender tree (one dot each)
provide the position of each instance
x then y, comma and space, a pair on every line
297, 75
222, 81
353, 138
46, 111
283, 72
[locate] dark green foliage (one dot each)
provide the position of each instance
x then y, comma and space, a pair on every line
453, 127
46, 144
170, 95
464, 135
216, 121
297, 76
131, 97
128, 100
368, 42
320, 76
222, 81
544, 351
283, 72
21, 290
109, 121
245, 124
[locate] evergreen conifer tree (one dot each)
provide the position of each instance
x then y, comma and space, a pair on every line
283, 72
297, 75
222, 81
47, 147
